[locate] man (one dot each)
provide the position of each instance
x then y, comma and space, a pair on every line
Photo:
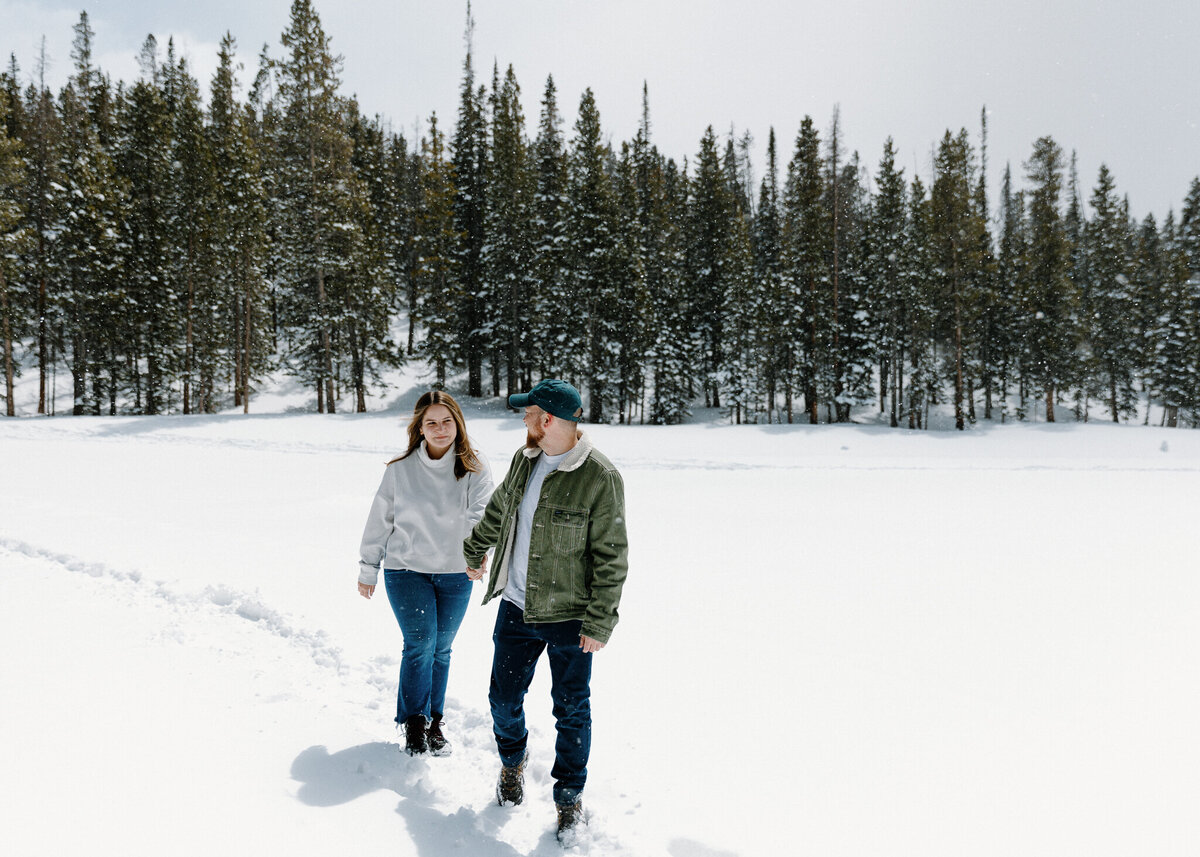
558, 525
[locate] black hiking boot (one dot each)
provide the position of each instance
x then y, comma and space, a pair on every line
570, 816
415, 742
510, 789
438, 745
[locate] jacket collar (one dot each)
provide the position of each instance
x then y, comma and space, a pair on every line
578, 454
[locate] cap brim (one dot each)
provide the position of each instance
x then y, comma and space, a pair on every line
518, 400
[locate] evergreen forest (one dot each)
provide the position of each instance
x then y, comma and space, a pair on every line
164, 248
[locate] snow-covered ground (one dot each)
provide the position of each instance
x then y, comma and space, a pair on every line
834, 641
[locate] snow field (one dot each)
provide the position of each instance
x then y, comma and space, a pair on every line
834, 641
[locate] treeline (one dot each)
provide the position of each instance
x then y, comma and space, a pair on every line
172, 252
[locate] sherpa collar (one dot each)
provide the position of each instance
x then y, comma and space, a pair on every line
578, 454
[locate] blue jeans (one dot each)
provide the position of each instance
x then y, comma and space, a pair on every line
429, 608
518, 647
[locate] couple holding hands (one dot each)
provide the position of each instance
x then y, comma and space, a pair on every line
557, 524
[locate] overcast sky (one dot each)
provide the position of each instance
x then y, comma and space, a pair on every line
1116, 81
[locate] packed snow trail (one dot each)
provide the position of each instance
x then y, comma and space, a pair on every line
145, 721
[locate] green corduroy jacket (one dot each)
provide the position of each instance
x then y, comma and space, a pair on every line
578, 552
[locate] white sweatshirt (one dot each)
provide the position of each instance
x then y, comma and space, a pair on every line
421, 514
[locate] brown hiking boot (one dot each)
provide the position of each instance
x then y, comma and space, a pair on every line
414, 735
438, 745
570, 816
510, 789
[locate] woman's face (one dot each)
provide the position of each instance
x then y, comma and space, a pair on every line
438, 429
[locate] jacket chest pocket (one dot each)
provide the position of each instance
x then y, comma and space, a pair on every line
568, 530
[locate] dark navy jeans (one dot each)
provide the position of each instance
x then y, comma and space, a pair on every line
518, 647
429, 608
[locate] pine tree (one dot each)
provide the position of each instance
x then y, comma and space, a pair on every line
1107, 299
1174, 370
921, 290
660, 203
13, 233
238, 237
146, 163
43, 201
710, 262
988, 297
1149, 302
957, 227
593, 262
437, 242
199, 296
399, 215
886, 295
768, 273
1007, 331
368, 293
89, 251
470, 163
849, 367
551, 310
508, 256
806, 274
1050, 344
315, 197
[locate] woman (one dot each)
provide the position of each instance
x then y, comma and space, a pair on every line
430, 498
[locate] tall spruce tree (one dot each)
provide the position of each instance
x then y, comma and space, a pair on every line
192, 209
923, 293
711, 261
146, 162
956, 229
89, 248
887, 288
592, 261
768, 273
14, 315
1051, 341
1107, 299
1174, 369
238, 237
44, 203
508, 256
470, 163
437, 240
1009, 310
551, 310
806, 273
313, 181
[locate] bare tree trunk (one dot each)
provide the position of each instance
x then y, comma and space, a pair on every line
326, 350
246, 327
959, 422
1050, 403
42, 338
189, 346
11, 408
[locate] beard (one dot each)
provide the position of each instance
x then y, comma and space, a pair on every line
534, 437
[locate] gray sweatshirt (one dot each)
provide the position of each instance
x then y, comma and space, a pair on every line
421, 514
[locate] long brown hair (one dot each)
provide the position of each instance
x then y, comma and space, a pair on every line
465, 460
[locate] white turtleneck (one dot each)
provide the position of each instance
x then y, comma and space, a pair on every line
421, 514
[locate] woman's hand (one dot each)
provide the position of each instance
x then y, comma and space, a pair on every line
478, 573
366, 591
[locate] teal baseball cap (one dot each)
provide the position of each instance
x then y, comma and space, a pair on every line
552, 396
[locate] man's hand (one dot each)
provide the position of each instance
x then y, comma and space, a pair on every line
478, 573
589, 645
366, 591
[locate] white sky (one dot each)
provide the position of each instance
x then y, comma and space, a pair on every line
1114, 80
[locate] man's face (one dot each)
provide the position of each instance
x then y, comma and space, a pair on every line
534, 430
